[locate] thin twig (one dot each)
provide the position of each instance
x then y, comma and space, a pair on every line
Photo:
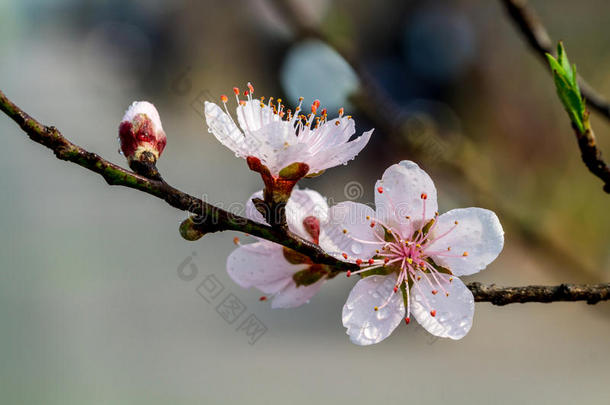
592, 293
538, 37
213, 219
591, 155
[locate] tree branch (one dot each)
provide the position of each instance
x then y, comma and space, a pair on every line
213, 219
530, 25
591, 155
592, 293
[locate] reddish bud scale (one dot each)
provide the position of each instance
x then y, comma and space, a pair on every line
140, 132
312, 227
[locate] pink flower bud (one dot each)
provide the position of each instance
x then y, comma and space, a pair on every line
141, 131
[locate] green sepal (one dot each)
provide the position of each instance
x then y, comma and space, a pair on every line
438, 267
294, 171
424, 230
310, 275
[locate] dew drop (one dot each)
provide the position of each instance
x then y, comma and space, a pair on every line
383, 314
371, 332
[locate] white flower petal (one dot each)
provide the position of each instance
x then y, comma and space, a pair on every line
261, 265
402, 187
224, 129
454, 313
302, 204
478, 233
252, 116
146, 108
251, 211
364, 325
292, 296
351, 217
338, 154
277, 146
331, 133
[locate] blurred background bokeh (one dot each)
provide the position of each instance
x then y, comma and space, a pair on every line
93, 309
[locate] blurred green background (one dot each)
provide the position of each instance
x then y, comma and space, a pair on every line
92, 307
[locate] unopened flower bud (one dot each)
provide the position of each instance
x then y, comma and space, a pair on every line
190, 230
141, 135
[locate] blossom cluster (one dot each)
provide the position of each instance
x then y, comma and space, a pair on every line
407, 256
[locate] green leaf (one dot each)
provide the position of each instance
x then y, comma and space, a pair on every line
566, 84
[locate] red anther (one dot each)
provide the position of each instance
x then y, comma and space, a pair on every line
242, 102
344, 255
372, 224
236, 240
407, 320
324, 111
395, 288
371, 261
224, 98
349, 273
236, 91
358, 262
250, 87
246, 93
424, 196
434, 292
465, 254
386, 260
263, 298
433, 312
341, 111
380, 190
316, 103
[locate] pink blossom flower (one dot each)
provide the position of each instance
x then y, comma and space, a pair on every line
410, 257
289, 277
280, 138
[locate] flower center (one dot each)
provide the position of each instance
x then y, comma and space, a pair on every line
408, 257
